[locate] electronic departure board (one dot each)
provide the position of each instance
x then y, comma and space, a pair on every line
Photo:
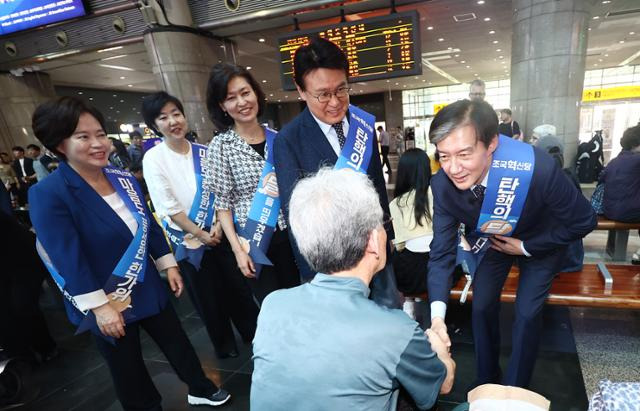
377, 48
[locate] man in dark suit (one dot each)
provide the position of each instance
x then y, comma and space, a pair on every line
23, 167
316, 136
554, 215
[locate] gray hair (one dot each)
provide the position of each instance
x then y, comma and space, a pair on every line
440, 133
332, 214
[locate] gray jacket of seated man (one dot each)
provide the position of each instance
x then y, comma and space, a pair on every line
325, 346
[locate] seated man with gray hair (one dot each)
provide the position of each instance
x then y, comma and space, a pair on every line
324, 344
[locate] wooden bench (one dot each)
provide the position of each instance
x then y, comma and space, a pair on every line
618, 237
597, 285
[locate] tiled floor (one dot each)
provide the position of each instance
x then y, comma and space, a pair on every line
557, 364
607, 341
78, 380
579, 347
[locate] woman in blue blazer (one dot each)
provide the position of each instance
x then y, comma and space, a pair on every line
87, 226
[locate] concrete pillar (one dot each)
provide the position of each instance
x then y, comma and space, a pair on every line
393, 109
19, 98
548, 53
393, 116
181, 62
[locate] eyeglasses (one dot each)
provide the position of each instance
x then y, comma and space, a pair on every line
325, 97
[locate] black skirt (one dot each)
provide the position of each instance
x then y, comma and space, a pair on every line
411, 271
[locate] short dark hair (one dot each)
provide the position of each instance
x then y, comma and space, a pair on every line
152, 106
477, 82
478, 114
33, 147
506, 111
217, 87
121, 148
54, 121
630, 138
135, 134
135, 167
320, 53
19, 148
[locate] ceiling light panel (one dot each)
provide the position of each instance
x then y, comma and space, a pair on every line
116, 67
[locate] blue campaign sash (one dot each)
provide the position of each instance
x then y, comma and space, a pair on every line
201, 213
263, 214
507, 189
357, 150
131, 268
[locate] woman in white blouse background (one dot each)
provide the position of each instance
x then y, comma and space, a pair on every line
217, 290
236, 159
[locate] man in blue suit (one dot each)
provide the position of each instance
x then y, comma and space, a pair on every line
316, 136
554, 214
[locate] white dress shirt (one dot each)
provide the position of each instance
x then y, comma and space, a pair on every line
331, 134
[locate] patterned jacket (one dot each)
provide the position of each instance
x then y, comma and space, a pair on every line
233, 172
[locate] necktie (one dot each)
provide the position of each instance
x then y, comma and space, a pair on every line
340, 133
478, 191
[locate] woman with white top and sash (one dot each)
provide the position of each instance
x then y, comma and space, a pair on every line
173, 171
242, 177
104, 250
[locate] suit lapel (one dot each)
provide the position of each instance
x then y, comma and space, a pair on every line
92, 201
474, 207
314, 137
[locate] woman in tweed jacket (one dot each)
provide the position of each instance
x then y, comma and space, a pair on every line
235, 162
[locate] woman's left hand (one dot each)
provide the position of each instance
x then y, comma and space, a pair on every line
175, 280
216, 232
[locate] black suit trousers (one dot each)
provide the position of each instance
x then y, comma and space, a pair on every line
284, 271
536, 276
221, 295
133, 384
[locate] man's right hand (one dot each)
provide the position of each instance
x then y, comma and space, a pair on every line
439, 327
442, 351
110, 321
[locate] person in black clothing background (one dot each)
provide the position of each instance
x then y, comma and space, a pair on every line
508, 126
23, 330
23, 167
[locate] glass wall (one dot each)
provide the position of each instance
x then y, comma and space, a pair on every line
611, 116
421, 102
612, 77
